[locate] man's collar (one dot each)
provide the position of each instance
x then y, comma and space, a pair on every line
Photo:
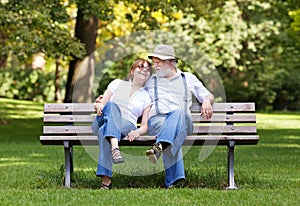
178, 73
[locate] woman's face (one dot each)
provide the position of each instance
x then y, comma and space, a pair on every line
142, 71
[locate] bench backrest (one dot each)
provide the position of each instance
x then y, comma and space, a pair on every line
72, 121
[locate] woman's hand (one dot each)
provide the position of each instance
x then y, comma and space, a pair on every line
98, 107
133, 134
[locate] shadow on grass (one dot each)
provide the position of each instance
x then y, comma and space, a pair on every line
21, 130
279, 136
213, 179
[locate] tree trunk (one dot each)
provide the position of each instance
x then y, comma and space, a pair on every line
3, 57
57, 94
81, 71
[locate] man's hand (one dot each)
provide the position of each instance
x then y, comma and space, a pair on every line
206, 109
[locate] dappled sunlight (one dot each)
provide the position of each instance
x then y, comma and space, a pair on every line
37, 155
292, 137
20, 109
12, 161
284, 121
9, 164
281, 145
86, 169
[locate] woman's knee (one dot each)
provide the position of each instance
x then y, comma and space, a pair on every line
110, 105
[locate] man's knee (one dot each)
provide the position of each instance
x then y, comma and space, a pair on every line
155, 124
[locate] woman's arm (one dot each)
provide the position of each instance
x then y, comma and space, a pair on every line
134, 134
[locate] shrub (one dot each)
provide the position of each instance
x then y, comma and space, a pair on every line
27, 84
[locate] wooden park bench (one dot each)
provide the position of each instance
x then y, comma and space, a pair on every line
69, 124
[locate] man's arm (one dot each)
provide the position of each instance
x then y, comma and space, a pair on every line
202, 94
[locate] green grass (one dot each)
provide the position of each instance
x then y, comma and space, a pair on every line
32, 174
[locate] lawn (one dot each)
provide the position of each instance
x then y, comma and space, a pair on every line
31, 174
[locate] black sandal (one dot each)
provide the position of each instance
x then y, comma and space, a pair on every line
106, 187
117, 156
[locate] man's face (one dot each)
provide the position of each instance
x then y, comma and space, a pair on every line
163, 68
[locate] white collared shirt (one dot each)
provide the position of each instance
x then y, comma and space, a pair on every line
131, 107
171, 93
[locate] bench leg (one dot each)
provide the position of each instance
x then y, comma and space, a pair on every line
231, 183
68, 163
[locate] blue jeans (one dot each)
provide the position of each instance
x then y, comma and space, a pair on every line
173, 129
109, 124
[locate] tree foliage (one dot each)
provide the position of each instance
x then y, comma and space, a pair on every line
30, 27
254, 44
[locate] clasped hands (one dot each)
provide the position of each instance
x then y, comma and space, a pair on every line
98, 106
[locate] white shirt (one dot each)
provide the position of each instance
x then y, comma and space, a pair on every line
171, 93
131, 107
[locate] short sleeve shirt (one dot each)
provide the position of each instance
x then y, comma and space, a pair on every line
131, 107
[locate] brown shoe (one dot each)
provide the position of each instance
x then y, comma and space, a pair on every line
154, 153
117, 156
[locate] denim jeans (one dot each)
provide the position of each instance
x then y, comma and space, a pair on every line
173, 129
109, 124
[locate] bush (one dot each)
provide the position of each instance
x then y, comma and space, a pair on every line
27, 84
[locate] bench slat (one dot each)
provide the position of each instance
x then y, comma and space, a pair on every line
229, 107
226, 118
149, 140
69, 107
89, 108
68, 119
227, 129
197, 129
218, 118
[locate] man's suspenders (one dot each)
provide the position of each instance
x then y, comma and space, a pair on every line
156, 93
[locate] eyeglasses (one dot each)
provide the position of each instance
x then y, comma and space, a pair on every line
148, 68
157, 61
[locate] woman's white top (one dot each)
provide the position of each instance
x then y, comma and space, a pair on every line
131, 107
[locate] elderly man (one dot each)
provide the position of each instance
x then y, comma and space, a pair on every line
170, 121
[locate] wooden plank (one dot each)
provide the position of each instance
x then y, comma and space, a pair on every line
149, 140
222, 117
218, 118
197, 129
69, 108
228, 107
89, 108
67, 129
68, 118
226, 129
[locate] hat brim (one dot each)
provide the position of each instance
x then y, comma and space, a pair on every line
162, 57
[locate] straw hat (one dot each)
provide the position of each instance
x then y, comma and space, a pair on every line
163, 52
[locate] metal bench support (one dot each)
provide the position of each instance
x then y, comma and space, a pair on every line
232, 185
68, 163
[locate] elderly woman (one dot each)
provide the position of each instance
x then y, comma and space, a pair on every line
117, 112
